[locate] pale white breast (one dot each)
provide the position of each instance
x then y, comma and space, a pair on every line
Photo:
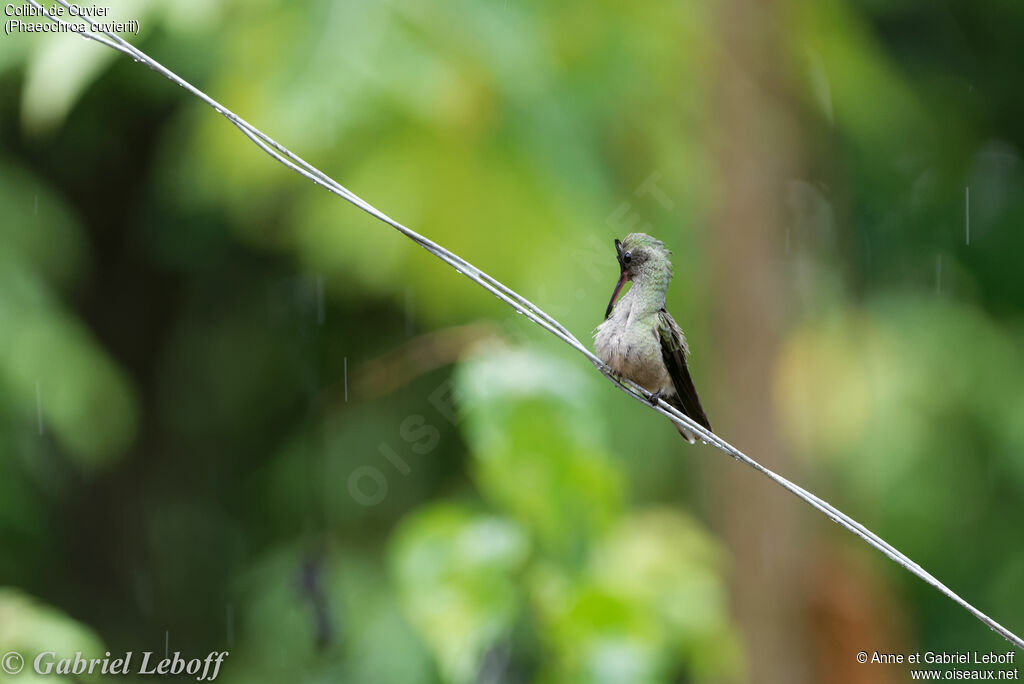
631, 349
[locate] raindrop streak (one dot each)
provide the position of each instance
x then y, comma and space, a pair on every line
39, 408
346, 378
167, 643
938, 274
124, 535
320, 300
967, 213
409, 318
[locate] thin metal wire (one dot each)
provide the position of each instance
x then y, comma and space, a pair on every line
538, 316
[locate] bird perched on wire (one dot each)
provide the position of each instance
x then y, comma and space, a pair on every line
639, 339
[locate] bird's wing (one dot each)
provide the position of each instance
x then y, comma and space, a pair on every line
673, 352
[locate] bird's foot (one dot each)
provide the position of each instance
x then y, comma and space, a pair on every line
654, 398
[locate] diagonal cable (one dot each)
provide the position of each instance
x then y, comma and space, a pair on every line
535, 314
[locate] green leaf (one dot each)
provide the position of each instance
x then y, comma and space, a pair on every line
537, 443
30, 628
456, 573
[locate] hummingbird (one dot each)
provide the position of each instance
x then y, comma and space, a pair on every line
639, 339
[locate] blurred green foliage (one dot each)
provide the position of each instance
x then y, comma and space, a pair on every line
26, 627
611, 596
195, 447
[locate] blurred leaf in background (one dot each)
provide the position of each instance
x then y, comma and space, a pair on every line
638, 599
30, 627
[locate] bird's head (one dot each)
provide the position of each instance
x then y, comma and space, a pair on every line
641, 258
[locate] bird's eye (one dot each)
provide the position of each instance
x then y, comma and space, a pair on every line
627, 257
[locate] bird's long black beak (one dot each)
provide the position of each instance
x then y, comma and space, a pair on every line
623, 277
